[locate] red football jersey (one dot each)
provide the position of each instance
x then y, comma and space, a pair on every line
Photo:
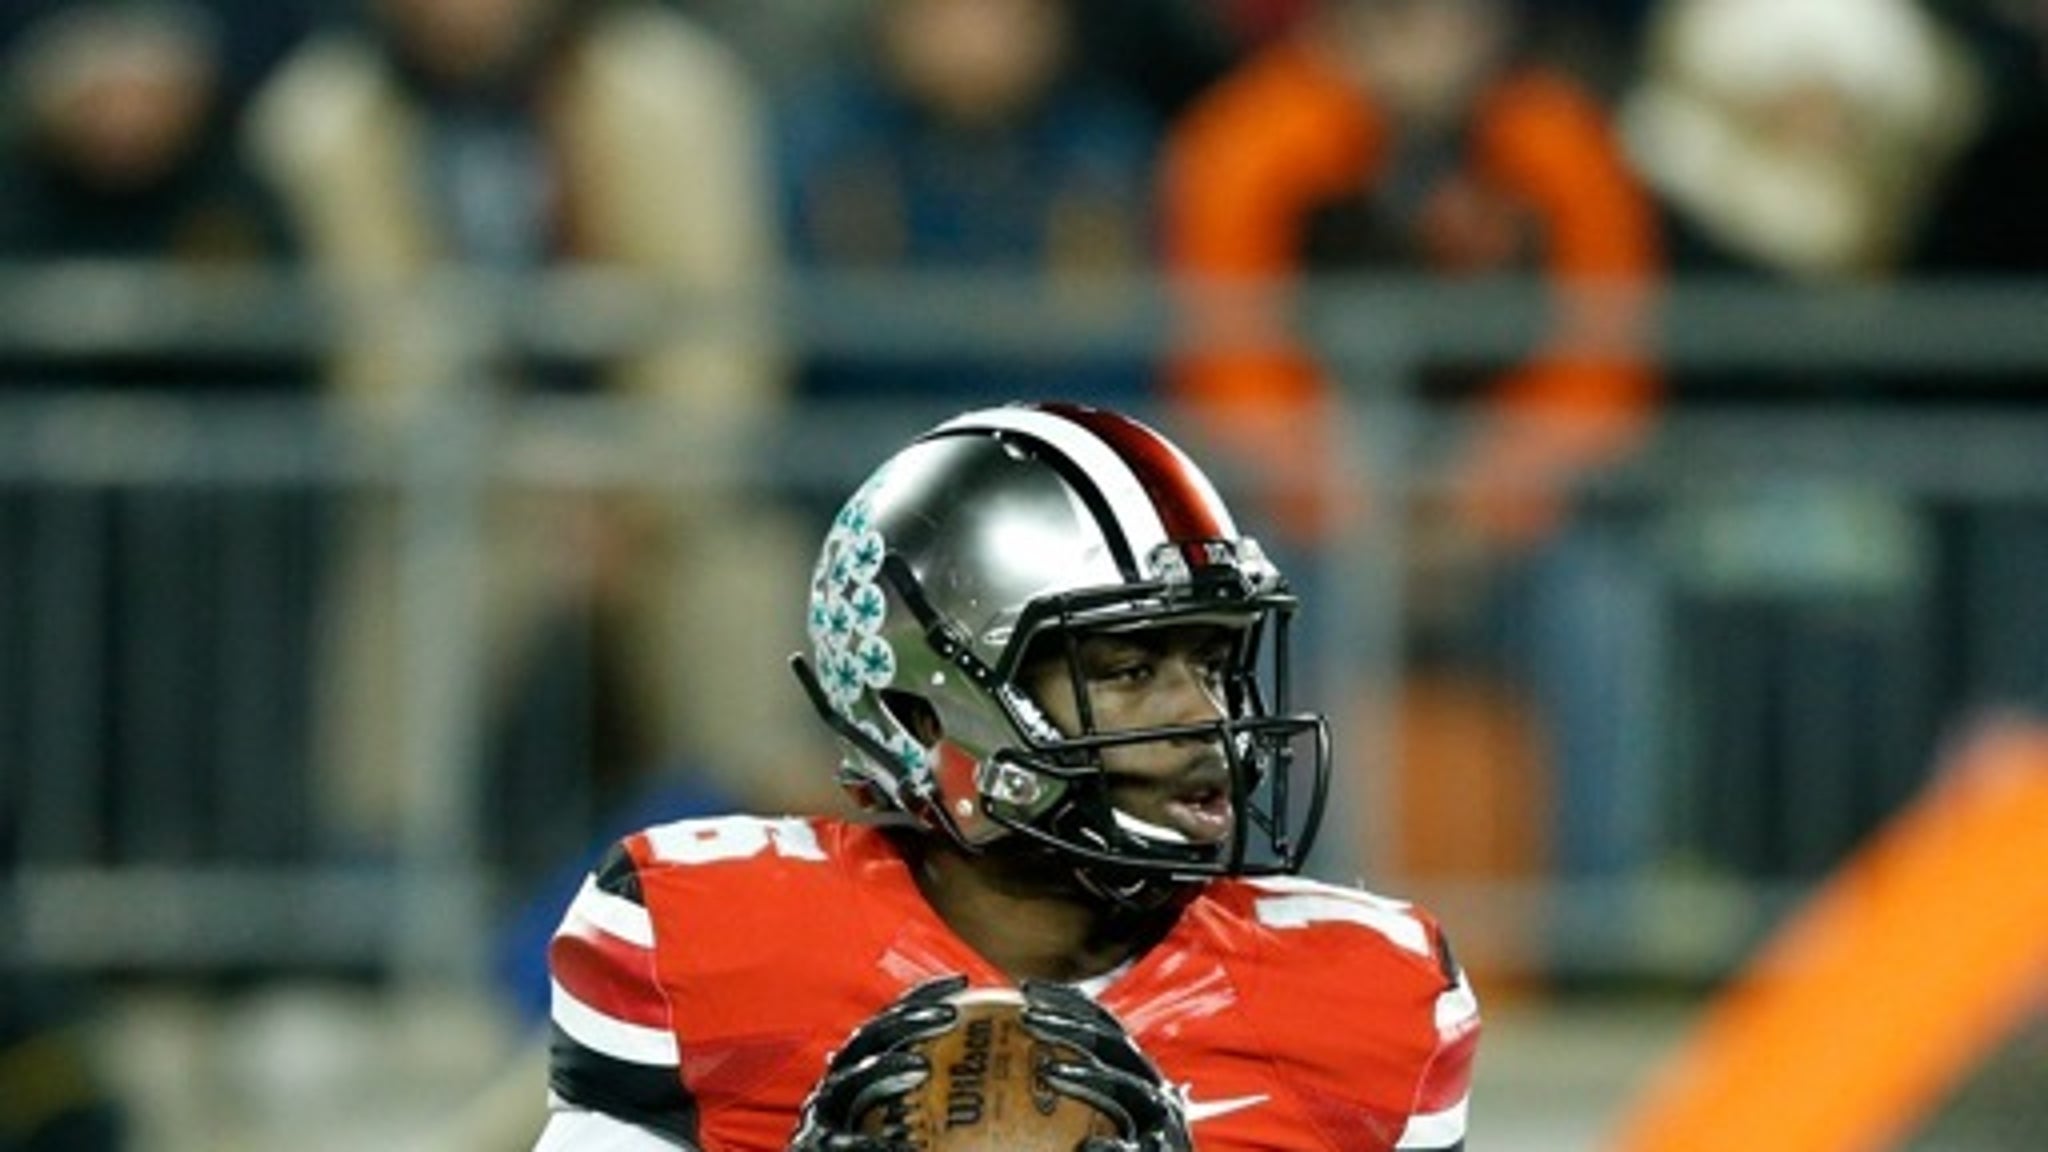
708, 969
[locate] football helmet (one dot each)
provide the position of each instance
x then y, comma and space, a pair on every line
1006, 533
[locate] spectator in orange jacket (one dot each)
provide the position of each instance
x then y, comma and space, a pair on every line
1408, 136
1399, 135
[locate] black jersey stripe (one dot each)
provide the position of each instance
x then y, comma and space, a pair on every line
651, 1096
617, 875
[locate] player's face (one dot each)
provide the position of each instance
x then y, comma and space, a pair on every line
1154, 678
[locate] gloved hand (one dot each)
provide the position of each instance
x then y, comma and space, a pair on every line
1110, 1072
874, 1066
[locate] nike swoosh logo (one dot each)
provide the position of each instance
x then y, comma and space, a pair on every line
1200, 1110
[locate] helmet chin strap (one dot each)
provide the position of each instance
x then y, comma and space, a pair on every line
1131, 889
1123, 890
1064, 835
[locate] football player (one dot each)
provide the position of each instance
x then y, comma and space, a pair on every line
1058, 671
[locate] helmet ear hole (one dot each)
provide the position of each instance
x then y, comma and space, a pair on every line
916, 714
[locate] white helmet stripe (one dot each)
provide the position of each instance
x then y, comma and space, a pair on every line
1119, 485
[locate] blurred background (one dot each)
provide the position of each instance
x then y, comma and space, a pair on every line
416, 417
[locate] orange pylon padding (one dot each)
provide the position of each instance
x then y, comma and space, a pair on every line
1473, 798
1907, 969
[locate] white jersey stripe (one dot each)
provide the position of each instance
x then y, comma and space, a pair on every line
612, 915
575, 1130
611, 1037
1435, 1129
1119, 485
1457, 1008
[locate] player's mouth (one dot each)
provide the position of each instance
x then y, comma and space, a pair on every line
1202, 814
1194, 808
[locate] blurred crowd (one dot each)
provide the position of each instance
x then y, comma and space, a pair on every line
1604, 148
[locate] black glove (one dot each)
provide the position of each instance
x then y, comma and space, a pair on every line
873, 1067
1110, 1072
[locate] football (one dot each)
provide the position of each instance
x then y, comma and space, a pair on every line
985, 1093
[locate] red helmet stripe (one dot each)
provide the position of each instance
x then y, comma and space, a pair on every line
1188, 506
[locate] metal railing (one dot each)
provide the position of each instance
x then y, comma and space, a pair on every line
138, 860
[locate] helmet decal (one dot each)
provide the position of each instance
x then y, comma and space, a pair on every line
847, 611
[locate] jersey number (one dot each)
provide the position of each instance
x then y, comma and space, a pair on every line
734, 838
1303, 907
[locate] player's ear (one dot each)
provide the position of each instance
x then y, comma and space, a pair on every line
917, 714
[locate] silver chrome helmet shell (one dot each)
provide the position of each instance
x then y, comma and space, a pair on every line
1014, 526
